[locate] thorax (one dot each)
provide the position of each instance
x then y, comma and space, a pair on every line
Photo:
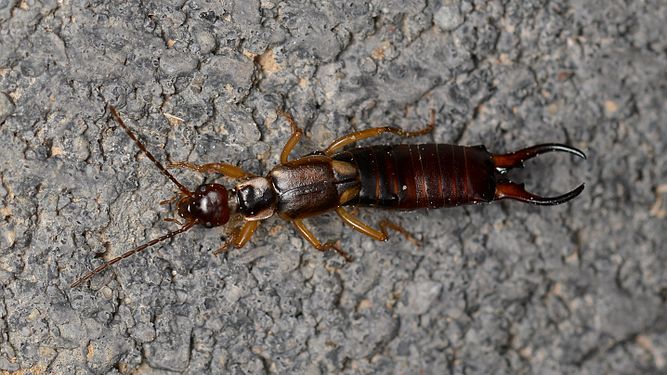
300, 188
312, 185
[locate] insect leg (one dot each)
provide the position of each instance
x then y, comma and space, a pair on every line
374, 132
310, 237
297, 133
243, 236
240, 237
224, 169
380, 235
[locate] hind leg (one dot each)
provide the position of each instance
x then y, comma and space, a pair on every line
374, 132
380, 235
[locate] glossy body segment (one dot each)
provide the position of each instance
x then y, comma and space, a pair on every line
310, 185
421, 176
399, 176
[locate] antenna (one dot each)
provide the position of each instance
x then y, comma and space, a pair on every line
162, 169
128, 254
167, 236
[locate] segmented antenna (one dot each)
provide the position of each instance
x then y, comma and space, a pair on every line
167, 236
162, 169
128, 254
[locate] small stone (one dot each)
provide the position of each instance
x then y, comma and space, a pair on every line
175, 63
6, 107
448, 17
367, 65
206, 42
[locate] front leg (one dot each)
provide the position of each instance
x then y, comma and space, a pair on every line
240, 237
224, 169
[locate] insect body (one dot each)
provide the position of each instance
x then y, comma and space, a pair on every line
394, 176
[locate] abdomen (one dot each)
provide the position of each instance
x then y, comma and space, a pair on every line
421, 176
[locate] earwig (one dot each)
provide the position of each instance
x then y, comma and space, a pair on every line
402, 176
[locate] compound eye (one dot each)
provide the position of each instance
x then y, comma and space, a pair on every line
201, 190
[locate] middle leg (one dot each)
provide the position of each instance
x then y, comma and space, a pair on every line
310, 237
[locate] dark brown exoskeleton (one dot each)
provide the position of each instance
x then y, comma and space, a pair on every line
395, 176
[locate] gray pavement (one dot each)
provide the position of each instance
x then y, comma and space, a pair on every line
506, 288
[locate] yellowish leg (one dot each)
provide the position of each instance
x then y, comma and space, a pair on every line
170, 200
374, 132
224, 169
172, 220
240, 237
310, 237
297, 133
380, 235
388, 224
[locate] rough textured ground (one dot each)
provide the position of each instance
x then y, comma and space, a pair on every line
503, 288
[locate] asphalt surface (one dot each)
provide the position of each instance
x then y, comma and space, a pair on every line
506, 288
